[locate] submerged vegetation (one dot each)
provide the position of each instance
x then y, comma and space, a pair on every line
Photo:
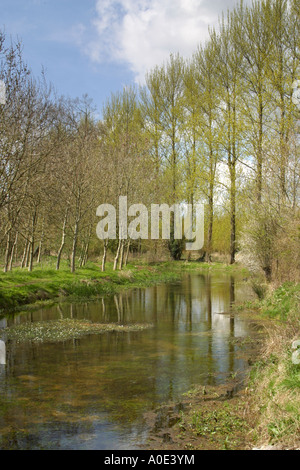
63, 330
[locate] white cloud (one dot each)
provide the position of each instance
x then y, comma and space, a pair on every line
143, 33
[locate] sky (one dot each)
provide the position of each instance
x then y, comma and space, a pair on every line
96, 47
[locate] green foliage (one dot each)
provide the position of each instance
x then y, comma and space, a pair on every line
176, 249
284, 302
21, 287
275, 380
292, 379
221, 422
220, 128
280, 428
259, 288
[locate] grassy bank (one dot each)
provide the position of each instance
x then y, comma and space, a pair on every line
274, 388
20, 287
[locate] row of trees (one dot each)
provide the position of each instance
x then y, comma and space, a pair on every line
220, 127
225, 121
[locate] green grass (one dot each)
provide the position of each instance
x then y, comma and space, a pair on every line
292, 378
210, 422
284, 303
20, 287
222, 422
275, 380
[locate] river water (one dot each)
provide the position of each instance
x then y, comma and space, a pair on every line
93, 393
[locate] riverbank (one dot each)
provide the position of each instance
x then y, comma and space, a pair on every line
206, 418
19, 289
274, 385
264, 413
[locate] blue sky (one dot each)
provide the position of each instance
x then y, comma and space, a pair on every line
98, 46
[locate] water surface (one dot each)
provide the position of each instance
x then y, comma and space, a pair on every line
92, 393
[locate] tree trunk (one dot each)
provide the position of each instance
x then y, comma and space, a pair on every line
81, 257
104, 255
233, 213
7, 253
86, 249
27, 255
259, 175
117, 255
86, 253
13, 252
30, 258
23, 262
210, 225
74, 246
63, 241
127, 253
41, 243
122, 255
31, 251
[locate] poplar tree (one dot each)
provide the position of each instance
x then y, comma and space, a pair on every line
229, 61
208, 102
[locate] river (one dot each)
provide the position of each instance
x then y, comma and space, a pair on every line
93, 392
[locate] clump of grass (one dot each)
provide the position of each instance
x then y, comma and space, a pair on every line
64, 330
219, 422
284, 302
260, 289
213, 423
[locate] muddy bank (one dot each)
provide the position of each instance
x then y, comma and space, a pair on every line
210, 418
